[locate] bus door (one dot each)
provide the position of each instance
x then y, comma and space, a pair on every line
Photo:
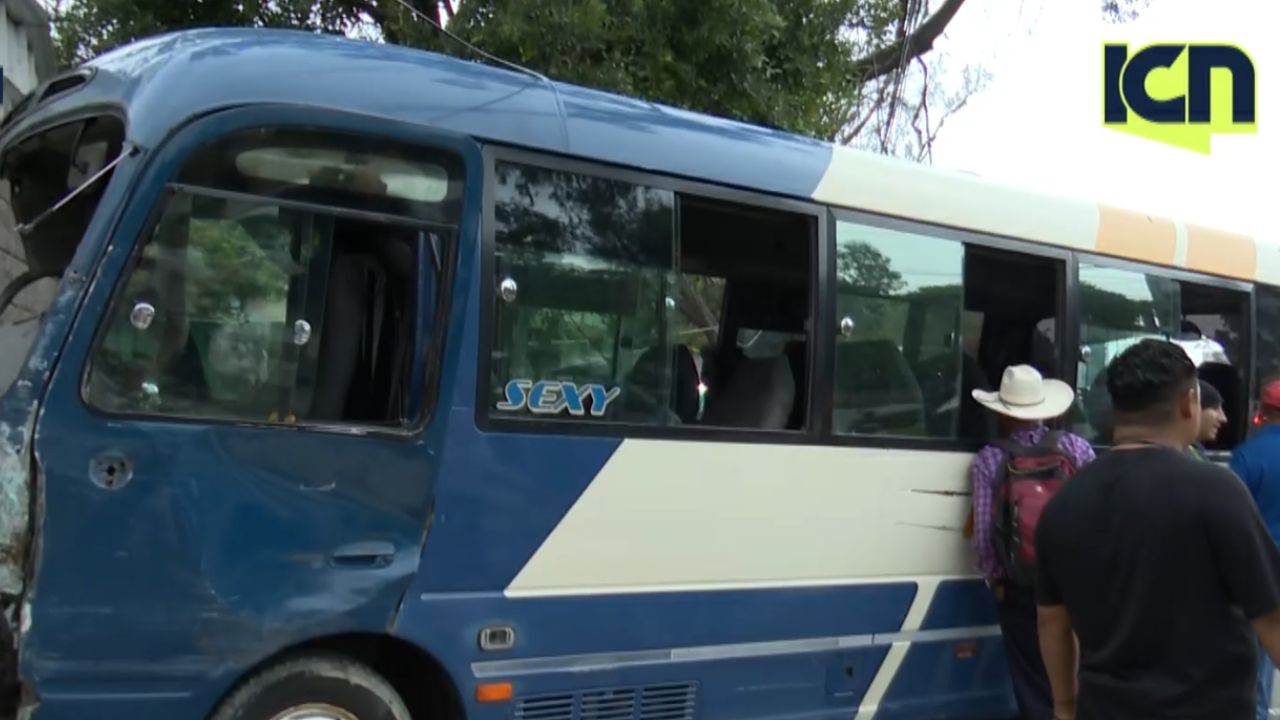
240, 451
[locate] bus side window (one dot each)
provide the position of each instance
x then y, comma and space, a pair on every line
621, 303
257, 298
1011, 305
926, 320
1120, 307
583, 267
899, 301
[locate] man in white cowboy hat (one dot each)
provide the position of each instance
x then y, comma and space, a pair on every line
1024, 402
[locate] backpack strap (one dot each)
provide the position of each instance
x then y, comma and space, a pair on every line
1005, 444
1052, 440
1012, 448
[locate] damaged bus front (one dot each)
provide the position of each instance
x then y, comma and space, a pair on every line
53, 177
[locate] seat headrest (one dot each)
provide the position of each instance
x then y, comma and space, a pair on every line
760, 394
653, 369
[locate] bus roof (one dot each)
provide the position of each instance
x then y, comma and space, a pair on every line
165, 80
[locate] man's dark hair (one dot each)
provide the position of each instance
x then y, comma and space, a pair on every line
1147, 379
1209, 396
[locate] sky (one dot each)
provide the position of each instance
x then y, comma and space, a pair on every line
1038, 122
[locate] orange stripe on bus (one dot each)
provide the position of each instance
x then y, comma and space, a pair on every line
1221, 253
1136, 236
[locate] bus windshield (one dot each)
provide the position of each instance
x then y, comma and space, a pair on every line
50, 187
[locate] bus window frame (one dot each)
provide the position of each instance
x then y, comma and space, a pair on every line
1248, 288
155, 184
1254, 385
822, 352
1066, 304
822, 319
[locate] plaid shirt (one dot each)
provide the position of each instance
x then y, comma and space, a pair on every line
987, 468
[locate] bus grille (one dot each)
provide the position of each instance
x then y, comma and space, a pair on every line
654, 702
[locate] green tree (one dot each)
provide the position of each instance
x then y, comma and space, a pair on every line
871, 291
867, 271
1109, 311
800, 65
235, 269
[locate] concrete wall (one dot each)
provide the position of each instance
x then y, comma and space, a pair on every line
26, 55
26, 48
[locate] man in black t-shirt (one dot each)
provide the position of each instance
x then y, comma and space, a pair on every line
1158, 562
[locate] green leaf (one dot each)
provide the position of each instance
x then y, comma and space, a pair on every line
782, 63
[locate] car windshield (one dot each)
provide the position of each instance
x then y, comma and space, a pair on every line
50, 186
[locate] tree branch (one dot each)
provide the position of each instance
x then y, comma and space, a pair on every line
895, 96
920, 41
924, 138
382, 13
861, 123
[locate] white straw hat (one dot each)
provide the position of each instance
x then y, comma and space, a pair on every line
1026, 395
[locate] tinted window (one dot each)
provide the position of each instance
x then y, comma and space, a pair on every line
927, 320
339, 170
250, 308
901, 294
587, 264
618, 302
1119, 307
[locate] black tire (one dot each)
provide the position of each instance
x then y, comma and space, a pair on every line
328, 683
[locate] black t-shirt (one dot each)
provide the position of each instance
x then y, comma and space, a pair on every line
1160, 560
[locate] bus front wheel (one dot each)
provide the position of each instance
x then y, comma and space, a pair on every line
315, 688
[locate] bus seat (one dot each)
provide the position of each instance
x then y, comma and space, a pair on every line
686, 380
759, 394
876, 392
975, 422
797, 353
652, 371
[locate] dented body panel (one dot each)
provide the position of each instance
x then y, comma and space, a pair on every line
223, 544
226, 544
21, 478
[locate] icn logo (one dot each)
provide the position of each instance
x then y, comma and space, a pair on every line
1180, 94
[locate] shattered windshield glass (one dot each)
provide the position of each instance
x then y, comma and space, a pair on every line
50, 186
20, 321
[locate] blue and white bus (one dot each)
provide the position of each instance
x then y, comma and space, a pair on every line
371, 383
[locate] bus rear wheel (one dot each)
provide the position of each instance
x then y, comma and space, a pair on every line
315, 688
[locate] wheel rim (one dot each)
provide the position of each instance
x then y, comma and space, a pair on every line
315, 711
